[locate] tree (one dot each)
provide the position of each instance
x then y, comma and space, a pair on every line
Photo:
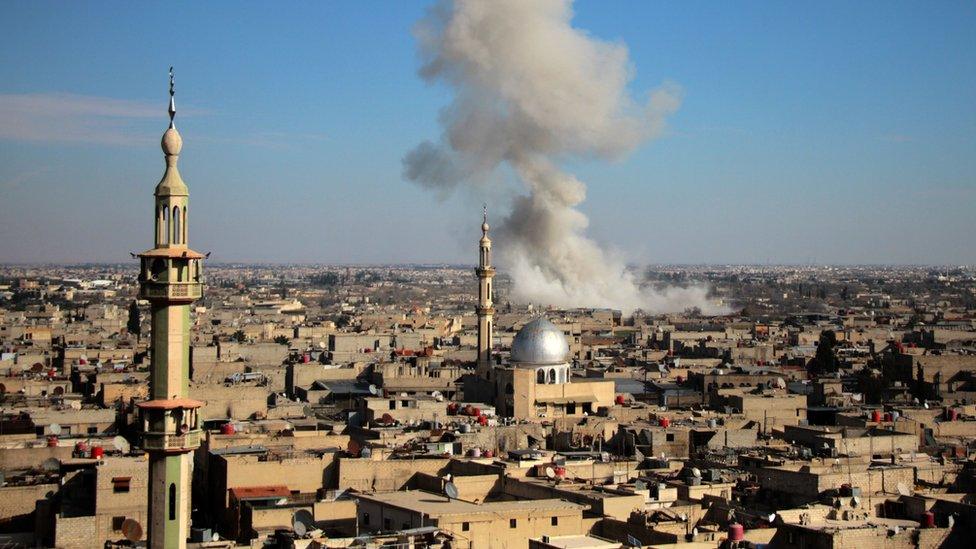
134, 325
282, 340
239, 336
825, 360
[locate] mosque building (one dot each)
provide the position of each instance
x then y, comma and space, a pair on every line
536, 383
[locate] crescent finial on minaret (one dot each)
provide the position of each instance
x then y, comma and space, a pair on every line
484, 223
172, 100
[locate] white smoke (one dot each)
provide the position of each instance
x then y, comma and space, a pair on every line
531, 91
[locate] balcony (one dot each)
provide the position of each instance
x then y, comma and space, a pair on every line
171, 442
171, 291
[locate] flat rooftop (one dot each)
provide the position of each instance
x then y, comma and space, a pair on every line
437, 505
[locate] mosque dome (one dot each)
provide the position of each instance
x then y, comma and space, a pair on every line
539, 342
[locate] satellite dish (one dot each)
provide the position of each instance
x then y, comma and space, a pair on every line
771, 518
121, 444
366, 452
450, 490
215, 537
855, 501
550, 472
640, 485
695, 472
302, 521
51, 465
903, 490
321, 345
374, 390
55, 428
132, 530
926, 405
354, 447
694, 531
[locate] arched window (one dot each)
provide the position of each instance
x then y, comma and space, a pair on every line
166, 236
552, 375
172, 501
177, 231
540, 376
183, 236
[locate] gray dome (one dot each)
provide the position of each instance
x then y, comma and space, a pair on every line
539, 342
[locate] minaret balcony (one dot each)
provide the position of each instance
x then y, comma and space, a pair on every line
489, 310
485, 271
171, 291
170, 425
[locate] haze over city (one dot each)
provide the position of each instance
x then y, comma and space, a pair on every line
830, 133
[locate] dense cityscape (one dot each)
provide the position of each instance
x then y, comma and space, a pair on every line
546, 389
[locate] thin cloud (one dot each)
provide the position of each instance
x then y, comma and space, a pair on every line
71, 118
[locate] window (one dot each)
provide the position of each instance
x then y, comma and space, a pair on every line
405, 526
366, 518
465, 526
117, 523
670, 437
554, 521
177, 232
540, 376
588, 407
120, 485
393, 405
172, 501
93, 430
387, 524
513, 523
571, 408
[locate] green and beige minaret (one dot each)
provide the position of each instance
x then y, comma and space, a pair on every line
170, 279
485, 308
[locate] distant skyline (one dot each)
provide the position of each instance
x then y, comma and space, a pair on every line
832, 132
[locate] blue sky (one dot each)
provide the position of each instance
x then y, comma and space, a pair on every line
833, 132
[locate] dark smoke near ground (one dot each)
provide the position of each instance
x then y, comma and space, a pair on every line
531, 91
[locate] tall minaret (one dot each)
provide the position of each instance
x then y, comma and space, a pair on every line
485, 309
170, 279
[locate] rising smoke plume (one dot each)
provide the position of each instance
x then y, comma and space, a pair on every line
531, 91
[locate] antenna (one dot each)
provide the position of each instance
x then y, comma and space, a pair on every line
121, 444
302, 521
450, 490
132, 530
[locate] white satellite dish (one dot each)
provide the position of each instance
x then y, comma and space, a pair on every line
695, 472
450, 490
55, 428
550, 472
771, 518
903, 490
121, 444
373, 390
302, 521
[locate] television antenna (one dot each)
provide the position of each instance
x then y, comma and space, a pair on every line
132, 530
450, 490
301, 522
